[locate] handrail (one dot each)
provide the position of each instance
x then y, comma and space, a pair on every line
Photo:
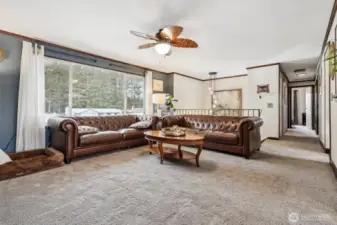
220, 112
193, 112
238, 112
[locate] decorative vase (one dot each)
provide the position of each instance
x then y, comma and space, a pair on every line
171, 112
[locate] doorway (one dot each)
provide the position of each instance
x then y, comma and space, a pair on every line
303, 110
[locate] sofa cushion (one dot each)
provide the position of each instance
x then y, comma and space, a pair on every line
87, 130
104, 137
141, 125
231, 138
130, 133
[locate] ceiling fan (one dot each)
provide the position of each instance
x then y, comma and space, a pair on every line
165, 39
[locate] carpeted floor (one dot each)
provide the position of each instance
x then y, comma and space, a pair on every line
131, 187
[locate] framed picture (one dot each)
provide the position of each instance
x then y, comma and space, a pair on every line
229, 99
157, 85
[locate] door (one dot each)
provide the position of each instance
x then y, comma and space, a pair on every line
308, 108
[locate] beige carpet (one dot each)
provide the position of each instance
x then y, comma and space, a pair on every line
131, 187
300, 131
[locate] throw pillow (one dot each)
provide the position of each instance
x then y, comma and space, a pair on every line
87, 130
4, 158
141, 125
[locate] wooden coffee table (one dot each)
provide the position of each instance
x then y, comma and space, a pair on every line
188, 140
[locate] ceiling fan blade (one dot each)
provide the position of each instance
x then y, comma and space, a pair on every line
149, 45
143, 35
184, 43
171, 32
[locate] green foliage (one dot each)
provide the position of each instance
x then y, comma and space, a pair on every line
92, 88
169, 102
331, 57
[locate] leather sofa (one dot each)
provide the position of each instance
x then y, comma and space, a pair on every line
113, 133
238, 135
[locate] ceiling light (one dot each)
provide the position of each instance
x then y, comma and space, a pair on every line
300, 73
162, 48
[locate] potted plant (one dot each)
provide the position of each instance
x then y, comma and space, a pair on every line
169, 104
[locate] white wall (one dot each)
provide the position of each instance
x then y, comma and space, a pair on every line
308, 107
326, 104
334, 132
265, 75
189, 92
285, 106
283, 98
300, 104
321, 100
326, 89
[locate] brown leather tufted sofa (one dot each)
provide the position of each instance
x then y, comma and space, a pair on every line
114, 133
239, 135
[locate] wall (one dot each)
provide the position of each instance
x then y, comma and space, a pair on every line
265, 75
189, 92
308, 107
327, 106
333, 125
229, 84
300, 104
9, 86
321, 102
334, 132
301, 83
324, 102
167, 79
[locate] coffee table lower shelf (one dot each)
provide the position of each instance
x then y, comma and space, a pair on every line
174, 153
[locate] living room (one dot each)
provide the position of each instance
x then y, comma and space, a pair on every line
156, 112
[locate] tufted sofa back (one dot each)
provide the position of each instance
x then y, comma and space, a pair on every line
113, 123
224, 123
204, 122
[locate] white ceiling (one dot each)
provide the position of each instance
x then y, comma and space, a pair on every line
309, 65
232, 34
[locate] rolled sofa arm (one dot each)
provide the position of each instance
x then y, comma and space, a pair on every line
253, 122
64, 136
169, 121
61, 123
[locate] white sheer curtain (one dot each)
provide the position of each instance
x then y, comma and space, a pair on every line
30, 132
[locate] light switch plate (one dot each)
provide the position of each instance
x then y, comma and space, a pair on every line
270, 105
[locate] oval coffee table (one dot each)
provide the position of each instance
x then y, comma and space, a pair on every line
188, 140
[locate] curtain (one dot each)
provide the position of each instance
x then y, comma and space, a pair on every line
30, 132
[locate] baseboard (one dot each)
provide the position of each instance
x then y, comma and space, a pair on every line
334, 168
326, 150
273, 138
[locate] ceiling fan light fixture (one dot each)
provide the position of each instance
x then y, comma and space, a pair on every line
162, 48
300, 73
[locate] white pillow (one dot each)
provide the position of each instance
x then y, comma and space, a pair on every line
4, 158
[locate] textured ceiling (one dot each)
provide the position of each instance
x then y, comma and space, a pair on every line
232, 34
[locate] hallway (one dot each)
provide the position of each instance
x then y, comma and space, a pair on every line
301, 140
300, 131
